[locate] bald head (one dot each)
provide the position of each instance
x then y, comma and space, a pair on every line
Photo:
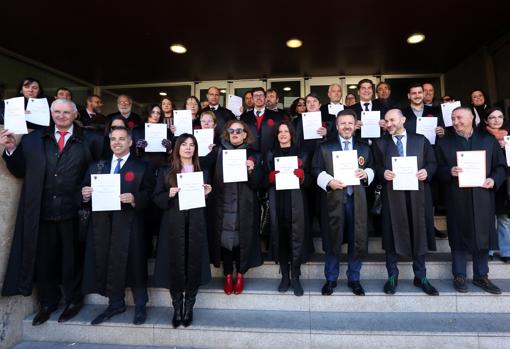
395, 121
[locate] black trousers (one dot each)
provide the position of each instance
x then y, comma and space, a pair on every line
59, 262
229, 257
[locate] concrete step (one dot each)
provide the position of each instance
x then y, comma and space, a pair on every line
214, 328
262, 294
74, 345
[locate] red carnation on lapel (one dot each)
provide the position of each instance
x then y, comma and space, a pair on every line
251, 158
129, 176
429, 115
131, 124
270, 122
324, 124
299, 162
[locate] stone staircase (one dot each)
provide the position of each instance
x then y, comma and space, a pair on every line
263, 318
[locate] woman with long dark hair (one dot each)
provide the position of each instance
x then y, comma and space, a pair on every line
290, 243
182, 260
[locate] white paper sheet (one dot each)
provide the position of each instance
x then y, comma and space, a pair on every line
334, 109
192, 192
472, 164
345, 164
205, 137
312, 121
286, 179
427, 127
106, 192
446, 110
39, 111
183, 122
234, 103
154, 134
370, 128
14, 115
507, 150
234, 166
405, 169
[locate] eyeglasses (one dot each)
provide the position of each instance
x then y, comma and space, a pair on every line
237, 131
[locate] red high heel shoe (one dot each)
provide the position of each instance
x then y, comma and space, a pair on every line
228, 285
239, 286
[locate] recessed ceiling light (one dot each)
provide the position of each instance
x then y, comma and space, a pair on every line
178, 48
287, 88
415, 38
162, 93
223, 91
353, 87
294, 43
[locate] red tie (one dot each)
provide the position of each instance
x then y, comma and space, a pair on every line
61, 141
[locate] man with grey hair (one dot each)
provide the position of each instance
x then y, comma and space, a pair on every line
47, 249
125, 105
330, 111
470, 211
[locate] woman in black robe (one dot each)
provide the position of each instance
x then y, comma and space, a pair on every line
182, 261
290, 242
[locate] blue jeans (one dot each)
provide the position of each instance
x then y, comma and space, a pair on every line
480, 263
140, 297
418, 265
504, 235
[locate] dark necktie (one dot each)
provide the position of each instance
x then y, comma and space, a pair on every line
400, 146
117, 168
61, 141
349, 188
366, 106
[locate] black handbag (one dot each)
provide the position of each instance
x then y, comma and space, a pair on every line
377, 205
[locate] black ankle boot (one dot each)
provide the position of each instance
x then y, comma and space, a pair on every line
285, 282
189, 302
177, 300
295, 283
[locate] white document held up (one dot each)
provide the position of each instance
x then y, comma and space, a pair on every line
345, 164
205, 137
370, 128
183, 122
507, 150
234, 166
472, 164
334, 109
234, 104
446, 110
405, 169
427, 127
192, 192
286, 179
105, 192
312, 121
154, 135
39, 111
14, 116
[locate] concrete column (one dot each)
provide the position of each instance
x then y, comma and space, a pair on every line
12, 309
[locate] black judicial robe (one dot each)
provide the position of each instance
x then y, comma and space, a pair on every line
115, 256
174, 251
332, 201
395, 226
156, 159
376, 106
310, 145
248, 212
29, 162
470, 212
133, 120
222, 116
301, 242
263, 140
428, 111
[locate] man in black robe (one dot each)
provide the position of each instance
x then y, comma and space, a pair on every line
222, 114
116, 252
46, 247
407, 219
125, 105
343, 208
470, 211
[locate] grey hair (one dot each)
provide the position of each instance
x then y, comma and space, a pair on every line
468, 109
334, 84
64, 101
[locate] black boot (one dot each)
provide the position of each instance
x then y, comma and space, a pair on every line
296, 285
285, 283
189, 302
177, 300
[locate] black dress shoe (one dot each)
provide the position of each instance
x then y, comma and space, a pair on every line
107, 314
356, 288
140, 315
43, 314
505, 259
70, 311
425, 285
296, 286
390, 286
459, 283
328, 288
485, 284
284, 284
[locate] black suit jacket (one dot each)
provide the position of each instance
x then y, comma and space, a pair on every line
428, 111
263, 140
376, 106
222, 116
